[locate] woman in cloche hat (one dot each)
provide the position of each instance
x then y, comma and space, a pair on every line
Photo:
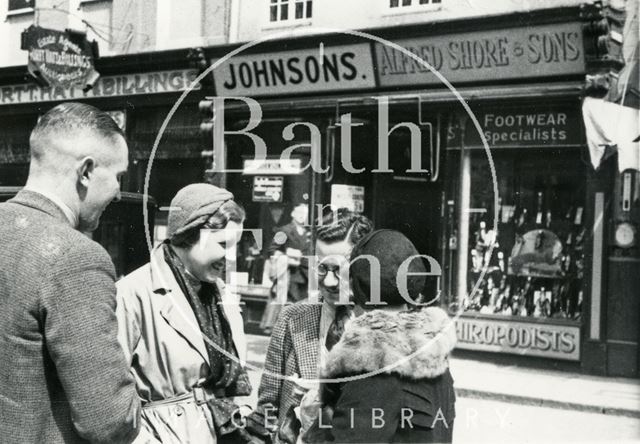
182, 330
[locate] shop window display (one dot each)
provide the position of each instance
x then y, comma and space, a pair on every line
534, 260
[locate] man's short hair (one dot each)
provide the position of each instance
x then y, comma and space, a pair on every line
72, 117
343, 225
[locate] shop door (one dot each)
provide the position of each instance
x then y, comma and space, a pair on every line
268, 189
413, 208
407, 201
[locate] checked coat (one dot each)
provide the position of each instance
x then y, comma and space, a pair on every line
63, 375
293, 349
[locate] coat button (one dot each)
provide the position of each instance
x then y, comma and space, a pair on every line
179, 410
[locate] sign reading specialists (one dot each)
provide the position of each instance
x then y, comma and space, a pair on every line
522, 338
306, 70
522, 126
59, 58
122, 85
537, 51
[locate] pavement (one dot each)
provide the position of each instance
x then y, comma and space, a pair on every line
533, 387
546, 388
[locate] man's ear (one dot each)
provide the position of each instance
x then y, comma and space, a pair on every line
85, 170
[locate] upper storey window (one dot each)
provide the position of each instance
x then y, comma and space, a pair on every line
286, 10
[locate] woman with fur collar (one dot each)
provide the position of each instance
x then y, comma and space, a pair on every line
391, 364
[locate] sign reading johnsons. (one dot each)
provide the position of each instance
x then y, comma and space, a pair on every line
314, 69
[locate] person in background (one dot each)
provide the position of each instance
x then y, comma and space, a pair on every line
294, 241
290, 243
399, 388
63, 378
304, 332
180, 327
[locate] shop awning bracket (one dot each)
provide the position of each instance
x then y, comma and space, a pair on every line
331, 151
434, 153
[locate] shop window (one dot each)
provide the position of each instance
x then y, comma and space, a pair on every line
532, 265
286, 10
20, 6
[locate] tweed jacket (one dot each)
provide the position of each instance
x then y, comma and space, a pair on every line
63, 378
293, 349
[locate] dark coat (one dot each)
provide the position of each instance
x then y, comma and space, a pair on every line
298, 275
409, 398
63, 378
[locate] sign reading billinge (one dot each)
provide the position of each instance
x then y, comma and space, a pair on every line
110, 86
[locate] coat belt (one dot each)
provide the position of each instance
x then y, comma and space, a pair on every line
200, 395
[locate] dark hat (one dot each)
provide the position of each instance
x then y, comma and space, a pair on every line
391, 248
193, 205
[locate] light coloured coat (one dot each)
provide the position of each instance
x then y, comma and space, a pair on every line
166, 351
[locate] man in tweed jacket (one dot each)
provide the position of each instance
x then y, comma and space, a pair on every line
63, 378
298, 338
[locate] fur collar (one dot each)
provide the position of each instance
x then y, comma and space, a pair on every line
380, 339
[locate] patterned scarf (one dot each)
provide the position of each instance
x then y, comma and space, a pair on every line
227, 377
334, 333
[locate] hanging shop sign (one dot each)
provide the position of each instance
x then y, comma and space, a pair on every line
522, 338
272, 166
347, 196
536, 51
330, 68
157, 82
267, 188
520, 126
60, 59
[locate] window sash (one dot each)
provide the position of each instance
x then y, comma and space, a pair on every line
279, 10
16, 5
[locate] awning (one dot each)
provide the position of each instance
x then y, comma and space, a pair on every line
613, 125
552, 90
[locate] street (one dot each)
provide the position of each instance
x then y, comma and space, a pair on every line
489, 421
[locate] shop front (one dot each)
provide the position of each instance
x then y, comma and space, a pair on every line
516, 260
139, 100
519, 230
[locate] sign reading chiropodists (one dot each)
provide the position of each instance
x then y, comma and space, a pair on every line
522, 338
535, 51
330, 68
